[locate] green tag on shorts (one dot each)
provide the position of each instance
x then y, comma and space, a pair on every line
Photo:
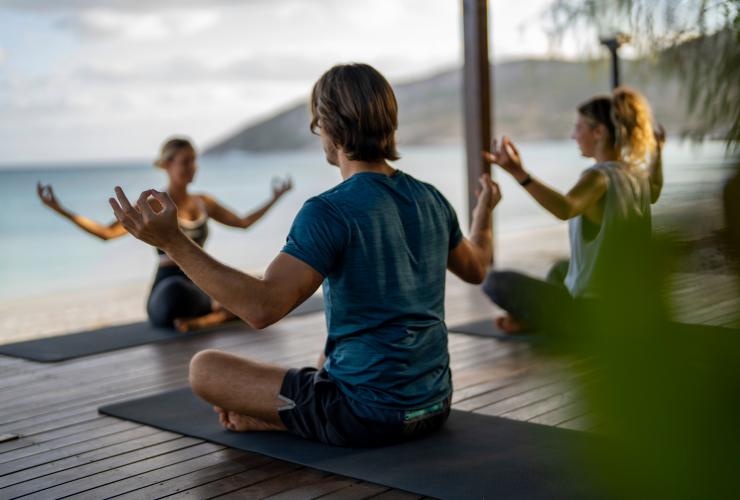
414, 414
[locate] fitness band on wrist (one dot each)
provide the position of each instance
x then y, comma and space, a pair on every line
526, 180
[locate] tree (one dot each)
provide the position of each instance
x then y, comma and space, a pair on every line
696, 40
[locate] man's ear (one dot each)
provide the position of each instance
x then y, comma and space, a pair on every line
339, 151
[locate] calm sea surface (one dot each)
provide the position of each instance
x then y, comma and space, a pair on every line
41, 253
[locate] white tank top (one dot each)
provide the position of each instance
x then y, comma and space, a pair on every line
626, 211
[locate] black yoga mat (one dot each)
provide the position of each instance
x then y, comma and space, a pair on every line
473, 456
487, 328
75, 345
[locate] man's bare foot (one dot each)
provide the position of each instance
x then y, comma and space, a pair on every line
509, 324
212, 319
241, 423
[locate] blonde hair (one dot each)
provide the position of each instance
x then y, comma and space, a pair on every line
170, 148
627, 117
633, 124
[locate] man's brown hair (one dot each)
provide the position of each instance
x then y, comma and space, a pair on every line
355, 106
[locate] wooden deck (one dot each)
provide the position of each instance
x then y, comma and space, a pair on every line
66, 449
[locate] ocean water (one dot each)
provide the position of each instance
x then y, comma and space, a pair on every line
42, 253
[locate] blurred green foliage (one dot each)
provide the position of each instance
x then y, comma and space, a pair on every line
664, 395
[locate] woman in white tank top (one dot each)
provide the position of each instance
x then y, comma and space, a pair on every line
612, 196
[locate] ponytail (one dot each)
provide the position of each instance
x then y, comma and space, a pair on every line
628, 120
633, 124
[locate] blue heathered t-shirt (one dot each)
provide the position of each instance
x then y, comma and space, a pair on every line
382, 243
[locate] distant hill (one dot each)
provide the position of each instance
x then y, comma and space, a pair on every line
533, 99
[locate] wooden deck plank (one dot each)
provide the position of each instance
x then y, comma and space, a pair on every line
520, 385
553, 402
61, 483
396, 495
40, 464
139, 466
316, 490
231, 483
278, 484
525, 398
154, 476
224, 468
583, 422
142, 438
59, 426
38, 443
356, 491
560, 415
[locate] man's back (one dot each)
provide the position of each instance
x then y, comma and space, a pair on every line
382, 242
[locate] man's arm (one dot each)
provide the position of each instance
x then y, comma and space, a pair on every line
471, 258
258, 301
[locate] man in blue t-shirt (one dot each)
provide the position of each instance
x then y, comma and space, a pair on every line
380, 242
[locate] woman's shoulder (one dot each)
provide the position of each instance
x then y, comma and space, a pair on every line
204, 197
596, 171
204, 200
606, 165
605, 169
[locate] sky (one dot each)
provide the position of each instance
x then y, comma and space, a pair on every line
111, 79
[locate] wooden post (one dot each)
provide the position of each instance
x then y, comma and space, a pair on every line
477, 93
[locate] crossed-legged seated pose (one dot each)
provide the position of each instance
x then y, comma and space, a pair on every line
609, 206
174, 299
380, 242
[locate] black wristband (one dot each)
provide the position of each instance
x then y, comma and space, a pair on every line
526, 180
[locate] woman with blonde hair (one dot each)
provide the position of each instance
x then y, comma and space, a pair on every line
174, 300
609, 205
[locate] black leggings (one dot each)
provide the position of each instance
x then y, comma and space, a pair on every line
174, 296
538, 304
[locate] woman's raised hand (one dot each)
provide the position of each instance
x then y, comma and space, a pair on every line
507, 157
281, 186
158, 228
659, 134
46, 194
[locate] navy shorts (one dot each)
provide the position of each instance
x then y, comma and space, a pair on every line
315, 408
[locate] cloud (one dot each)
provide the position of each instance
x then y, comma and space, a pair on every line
139, 27
160, 66
178, 69
84, 67
56, 6
3, 55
